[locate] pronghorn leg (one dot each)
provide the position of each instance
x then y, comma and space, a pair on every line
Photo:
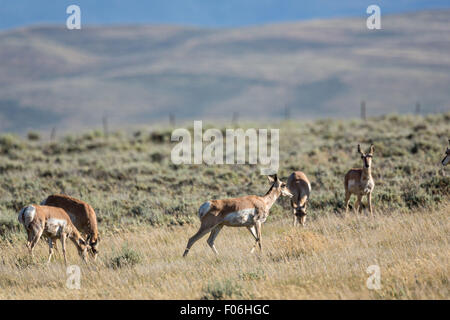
30, 237
50, 249
213, 236
253, 232
295, 217
294, 222
54, 245
200, 233
34, 241
303, 220
63, 245
258, 232
257, 228
369, 202
347, 200
358, 204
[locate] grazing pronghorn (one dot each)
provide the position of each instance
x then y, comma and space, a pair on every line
446, 160
82, 216
360, 182
248, 211
53, 223
298, 184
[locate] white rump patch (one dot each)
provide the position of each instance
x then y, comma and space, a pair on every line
26, 215
204, 208
243, 217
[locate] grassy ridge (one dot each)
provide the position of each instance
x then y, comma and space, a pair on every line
147, 209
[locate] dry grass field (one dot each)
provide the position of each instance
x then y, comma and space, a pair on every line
147, 209
326, 260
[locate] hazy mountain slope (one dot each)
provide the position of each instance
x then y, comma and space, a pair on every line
138, 74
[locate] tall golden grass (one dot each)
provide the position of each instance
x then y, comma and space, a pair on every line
327, 259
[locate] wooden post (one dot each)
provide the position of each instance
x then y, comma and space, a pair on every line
53, 134
363, 110
417, 108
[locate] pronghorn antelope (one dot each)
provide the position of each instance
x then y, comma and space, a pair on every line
53, 223
446, 160
82, 216
248, 211
360, 182
298, 184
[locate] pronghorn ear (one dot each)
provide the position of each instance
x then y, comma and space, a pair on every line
372, 149
272, 178
359, 149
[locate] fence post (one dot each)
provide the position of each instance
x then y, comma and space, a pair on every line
53, 134
363, 110
417, 108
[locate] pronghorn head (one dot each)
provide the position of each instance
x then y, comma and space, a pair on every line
82, 247
300, 213
366, 157
279, 185
93, 245
446, 160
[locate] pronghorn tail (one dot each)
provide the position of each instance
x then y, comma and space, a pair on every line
204, 208
26, 215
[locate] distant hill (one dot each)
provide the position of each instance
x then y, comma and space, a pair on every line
50, 76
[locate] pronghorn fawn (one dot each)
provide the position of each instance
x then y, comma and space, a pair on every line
298, 184
249, 211
360, 182
82, 216
446, 160
52, 223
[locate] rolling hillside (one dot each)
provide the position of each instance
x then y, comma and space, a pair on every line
147, 209
50, 76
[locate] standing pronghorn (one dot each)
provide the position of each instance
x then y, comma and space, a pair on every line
53, 223
298, 184
248, 211
446, 160
82, 216
360, 182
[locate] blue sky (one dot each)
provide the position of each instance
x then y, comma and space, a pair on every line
211, 13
